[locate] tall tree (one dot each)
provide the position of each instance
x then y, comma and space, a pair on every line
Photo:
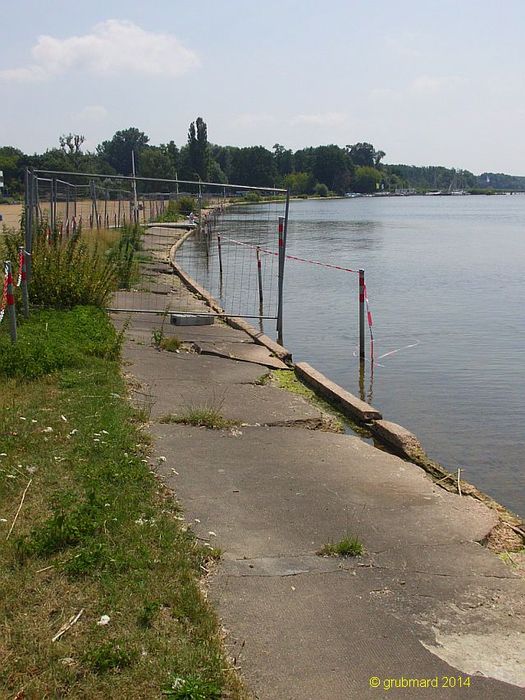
364, 154
117, 151
283, 159
198, 149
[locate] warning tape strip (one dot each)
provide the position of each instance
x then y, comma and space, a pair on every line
3, 302
259, 249
20, 268
289, 257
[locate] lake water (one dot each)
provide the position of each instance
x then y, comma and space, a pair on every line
446, 283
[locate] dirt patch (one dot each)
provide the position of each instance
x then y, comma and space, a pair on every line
11, 214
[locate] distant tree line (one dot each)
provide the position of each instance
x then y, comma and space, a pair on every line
315, 170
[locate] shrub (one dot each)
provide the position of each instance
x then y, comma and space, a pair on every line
178, 208
321, 190
253, 197
186, 205
65, 273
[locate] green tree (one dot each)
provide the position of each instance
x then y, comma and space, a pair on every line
364, 154
283, 159
12, 165
332, 166
299, 183
117, 152
366, 180
253, 166
198, 149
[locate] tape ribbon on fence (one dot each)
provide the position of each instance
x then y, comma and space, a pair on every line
21, 262
311, 262
3, 302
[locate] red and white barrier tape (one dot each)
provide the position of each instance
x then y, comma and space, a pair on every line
289, 257
3, 301
258, 249
370, 322
21, 262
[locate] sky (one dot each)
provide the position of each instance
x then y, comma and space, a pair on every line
428, 82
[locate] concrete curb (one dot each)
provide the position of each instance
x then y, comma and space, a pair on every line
399, 438
233, 321
334, 393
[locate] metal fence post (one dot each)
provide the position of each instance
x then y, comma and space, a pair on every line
259, 279
283, 229
30, 207
361, 315
10, 300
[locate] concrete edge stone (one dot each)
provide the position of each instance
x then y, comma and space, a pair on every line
398, 437
346, 401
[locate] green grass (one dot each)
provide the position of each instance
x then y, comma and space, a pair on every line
203, 417
287, 379
347, 547
171, 344
54, 340
96, 532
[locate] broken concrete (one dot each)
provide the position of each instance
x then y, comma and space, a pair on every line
344, 400
246, 352
397, 437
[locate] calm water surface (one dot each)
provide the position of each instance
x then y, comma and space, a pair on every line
446, 283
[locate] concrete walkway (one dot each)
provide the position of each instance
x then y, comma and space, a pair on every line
425, 601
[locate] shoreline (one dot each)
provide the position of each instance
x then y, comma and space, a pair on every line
391, 436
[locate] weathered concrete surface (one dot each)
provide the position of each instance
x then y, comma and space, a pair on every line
204, 381
347, 402
247, 352
425, 601
401, 439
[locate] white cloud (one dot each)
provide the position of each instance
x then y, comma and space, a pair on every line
91, 113
112, 48
435, 83
247, 120
406, 44
322, 119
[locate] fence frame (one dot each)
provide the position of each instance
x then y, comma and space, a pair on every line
32, 204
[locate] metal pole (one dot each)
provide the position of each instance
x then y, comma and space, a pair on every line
283, 229
51, 202
10, 301
28, 215
23, 279
361, 315
259, 278
135, 201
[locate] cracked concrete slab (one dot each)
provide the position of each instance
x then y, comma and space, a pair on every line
180, 382
282, 566
248, 352
305, 488
425, 600
324, 636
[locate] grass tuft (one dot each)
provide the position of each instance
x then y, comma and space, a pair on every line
347, 547
191, 688
171, 344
